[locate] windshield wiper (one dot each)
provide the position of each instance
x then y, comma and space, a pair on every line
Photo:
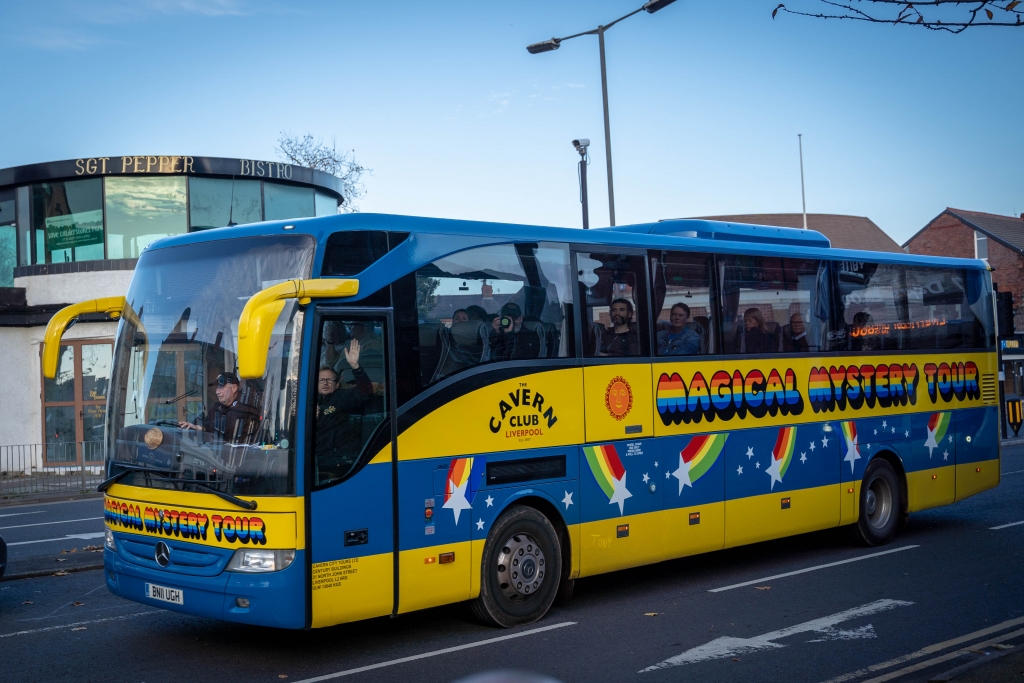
107, 483
247, 504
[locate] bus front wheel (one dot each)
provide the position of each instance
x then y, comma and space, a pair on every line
880, 505
521, 568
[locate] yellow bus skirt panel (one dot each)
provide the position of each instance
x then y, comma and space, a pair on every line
619, 402
428, 581
930, 488
353, 589
975, 477
694, 530
774, 515
621, 542
849, 502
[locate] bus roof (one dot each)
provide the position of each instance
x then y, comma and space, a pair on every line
432, 238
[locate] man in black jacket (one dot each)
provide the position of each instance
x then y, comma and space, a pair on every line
339, 415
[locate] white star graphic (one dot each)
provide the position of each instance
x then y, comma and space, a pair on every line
773, 471
951, 438
893, 430
906, 434
489, 501
803, 457
480, 525
646, 478
945, 455
567, 501
668, 475
930, 443
655, 463
757, 464
739, 470
812, 446
620, 494
750, 452
824, 441
876, 432
457, 502
884, 425
683, 474
869, 447
852, 453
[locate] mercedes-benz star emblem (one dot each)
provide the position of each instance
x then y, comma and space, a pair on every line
162, 554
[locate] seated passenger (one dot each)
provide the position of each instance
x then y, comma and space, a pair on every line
678, 340
229, 418
620, 340
460, 316
339, 411
794, 336
755, 337
510, 339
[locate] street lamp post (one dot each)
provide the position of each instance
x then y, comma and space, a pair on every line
581, 146
554, 43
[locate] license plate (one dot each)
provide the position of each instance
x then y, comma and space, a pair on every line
172, 595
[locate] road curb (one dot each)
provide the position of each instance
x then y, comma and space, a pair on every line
36, 573
47, 498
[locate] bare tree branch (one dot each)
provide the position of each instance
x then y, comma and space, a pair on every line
953, 16
316, 154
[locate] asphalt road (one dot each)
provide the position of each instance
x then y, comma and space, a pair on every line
943, 595
44, 535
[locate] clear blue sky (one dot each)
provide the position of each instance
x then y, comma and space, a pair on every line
457, 120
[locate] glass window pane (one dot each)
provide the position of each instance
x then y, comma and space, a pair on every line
496, 303
326, 205
773, 305
141, 210
8, 254
349, 406
60, 434
682, 293
612, 292
95, 371
68, 220
219, 202
92, 427
62, 387
287, 201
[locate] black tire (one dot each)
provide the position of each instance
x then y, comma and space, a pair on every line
521, 568
881, 504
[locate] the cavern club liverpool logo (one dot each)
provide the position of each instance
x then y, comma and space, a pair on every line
618, 398
524, 413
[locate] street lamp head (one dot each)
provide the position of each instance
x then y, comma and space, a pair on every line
545, 46
654, 5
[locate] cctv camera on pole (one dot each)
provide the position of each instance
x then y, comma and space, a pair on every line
581, 146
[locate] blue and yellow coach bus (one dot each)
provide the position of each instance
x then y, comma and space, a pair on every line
340, 418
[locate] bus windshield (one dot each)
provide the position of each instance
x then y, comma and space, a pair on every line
179, 416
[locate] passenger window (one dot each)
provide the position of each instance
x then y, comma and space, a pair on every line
496, 303
896, 307
681, 291
351, 396
614, 310
773, 305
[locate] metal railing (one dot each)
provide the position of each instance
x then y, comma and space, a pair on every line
55, 469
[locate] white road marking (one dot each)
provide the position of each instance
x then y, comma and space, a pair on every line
1003, 526
726, 646
1014, 472
435, 653
812, 569
63, 521
15, 514
84, 537
944, 658
930, 650
78, 623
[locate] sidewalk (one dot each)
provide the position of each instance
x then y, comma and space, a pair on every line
50, 565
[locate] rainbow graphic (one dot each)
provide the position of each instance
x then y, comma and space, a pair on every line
610, 474
852, 447
697, 458
457, 485
938, 423
782, 454
671, 394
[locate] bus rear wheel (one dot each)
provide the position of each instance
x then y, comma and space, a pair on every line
880, 505
521, 568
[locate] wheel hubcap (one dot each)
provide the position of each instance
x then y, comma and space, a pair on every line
878, 503
521, 567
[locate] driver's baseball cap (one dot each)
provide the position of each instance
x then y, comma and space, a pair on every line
224, 378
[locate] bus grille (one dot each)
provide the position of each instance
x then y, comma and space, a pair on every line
988, 389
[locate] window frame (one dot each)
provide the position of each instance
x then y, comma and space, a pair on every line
714, 312
78, 403
642, 311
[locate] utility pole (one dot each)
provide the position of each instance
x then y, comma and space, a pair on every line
803, 197
607, 130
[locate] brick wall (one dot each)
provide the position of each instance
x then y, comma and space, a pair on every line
948, 236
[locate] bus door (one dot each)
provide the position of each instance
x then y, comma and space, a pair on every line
350, 467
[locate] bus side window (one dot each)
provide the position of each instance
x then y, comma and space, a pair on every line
773, 305
681, 292
612, 291
351, 396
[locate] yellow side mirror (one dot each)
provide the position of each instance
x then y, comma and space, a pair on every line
111, 305
256, 323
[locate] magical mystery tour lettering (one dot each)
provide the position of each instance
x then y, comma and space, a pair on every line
726, 394
184, 524
529, 415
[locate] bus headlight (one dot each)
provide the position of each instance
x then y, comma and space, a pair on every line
254, 561
108, 539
